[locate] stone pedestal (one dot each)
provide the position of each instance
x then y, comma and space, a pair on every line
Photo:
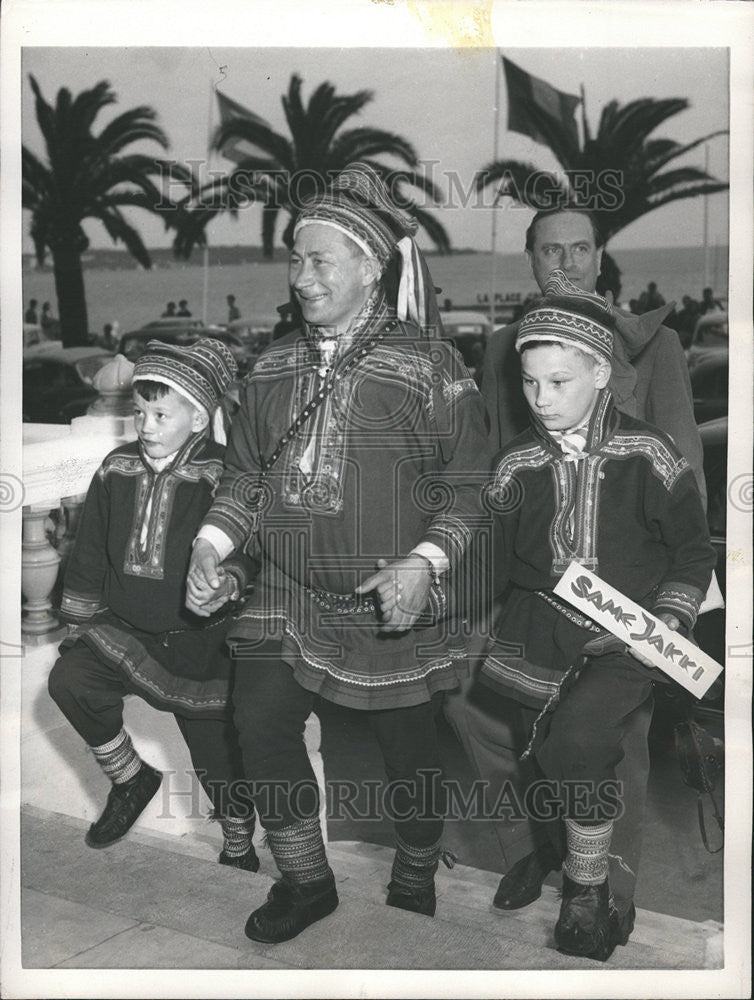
39, 571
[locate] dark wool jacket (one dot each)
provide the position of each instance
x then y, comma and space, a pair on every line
125, 584
628, 509
395, 455
650, 380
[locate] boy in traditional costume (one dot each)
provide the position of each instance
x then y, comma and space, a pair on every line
124, 596
586, 483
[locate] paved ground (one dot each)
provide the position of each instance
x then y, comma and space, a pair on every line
163, 903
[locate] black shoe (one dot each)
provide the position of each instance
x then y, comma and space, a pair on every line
125, 804
583, 927
248, 862
420, 900
621, 927
290, 908
523, 883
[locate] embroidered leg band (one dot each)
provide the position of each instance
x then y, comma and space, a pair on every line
414, 867
586, 861
237, 835
118, 759
299, 850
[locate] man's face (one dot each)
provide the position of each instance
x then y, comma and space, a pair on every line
330, 276
561, 384
565, 240
166, 423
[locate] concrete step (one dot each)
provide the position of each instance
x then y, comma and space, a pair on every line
163, 902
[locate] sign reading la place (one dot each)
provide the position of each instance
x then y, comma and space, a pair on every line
680, 659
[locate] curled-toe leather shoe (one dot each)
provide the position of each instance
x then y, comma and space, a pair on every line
419, 900
621, 927
291, 907
523, 883
248, 862
124, 805
583, 927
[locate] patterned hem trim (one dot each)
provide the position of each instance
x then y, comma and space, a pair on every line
124, 655
327, 667
519, 680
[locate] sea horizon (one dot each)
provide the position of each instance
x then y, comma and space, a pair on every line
119, 290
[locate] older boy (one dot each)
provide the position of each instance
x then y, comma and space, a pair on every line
124, 593
586, 483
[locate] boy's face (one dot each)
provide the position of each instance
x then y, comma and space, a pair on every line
561, 384
164, 424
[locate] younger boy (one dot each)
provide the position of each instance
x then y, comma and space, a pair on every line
586, 483
125, 591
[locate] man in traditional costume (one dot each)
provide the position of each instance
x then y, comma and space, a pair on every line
360, 444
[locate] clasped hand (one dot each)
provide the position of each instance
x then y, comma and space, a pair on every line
402, 589
208, 586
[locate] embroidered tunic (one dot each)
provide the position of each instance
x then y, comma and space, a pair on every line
125, 584
394, 455
627, 508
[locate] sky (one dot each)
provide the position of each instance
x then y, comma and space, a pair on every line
442, 100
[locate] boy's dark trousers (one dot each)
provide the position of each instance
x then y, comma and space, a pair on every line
494, 732
90, 694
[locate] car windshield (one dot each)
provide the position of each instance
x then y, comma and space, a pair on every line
87, 368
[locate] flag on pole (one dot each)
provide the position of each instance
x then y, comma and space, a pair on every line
529, 97
238, 150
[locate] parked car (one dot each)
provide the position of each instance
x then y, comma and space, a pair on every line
57, 381
709, 385
469, 332
134, 343
710, 338
255, 333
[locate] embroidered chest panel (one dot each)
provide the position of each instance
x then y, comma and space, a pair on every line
572, 530
386, 397
153, 507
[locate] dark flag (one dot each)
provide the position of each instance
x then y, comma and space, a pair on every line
238, 150
529, 98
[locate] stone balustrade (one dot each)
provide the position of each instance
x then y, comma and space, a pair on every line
58, 464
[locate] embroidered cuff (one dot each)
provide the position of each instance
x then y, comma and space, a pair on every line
680, 600
237, 574
77, 607
448, 534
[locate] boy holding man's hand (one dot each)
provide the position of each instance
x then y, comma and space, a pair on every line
125, 592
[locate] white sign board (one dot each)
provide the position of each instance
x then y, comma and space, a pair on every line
642, 631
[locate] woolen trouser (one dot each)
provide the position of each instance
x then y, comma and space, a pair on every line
90, 694
271, 709
494, 730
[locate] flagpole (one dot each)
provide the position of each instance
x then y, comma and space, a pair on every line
495, 155
205, 250
706, 222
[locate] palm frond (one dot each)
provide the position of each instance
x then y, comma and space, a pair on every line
362, 143
121, 231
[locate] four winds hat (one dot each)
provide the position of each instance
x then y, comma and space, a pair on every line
201, 373
570, 316
358, 205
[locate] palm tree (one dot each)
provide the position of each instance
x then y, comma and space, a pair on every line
87, 176
622, 149
287, 171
